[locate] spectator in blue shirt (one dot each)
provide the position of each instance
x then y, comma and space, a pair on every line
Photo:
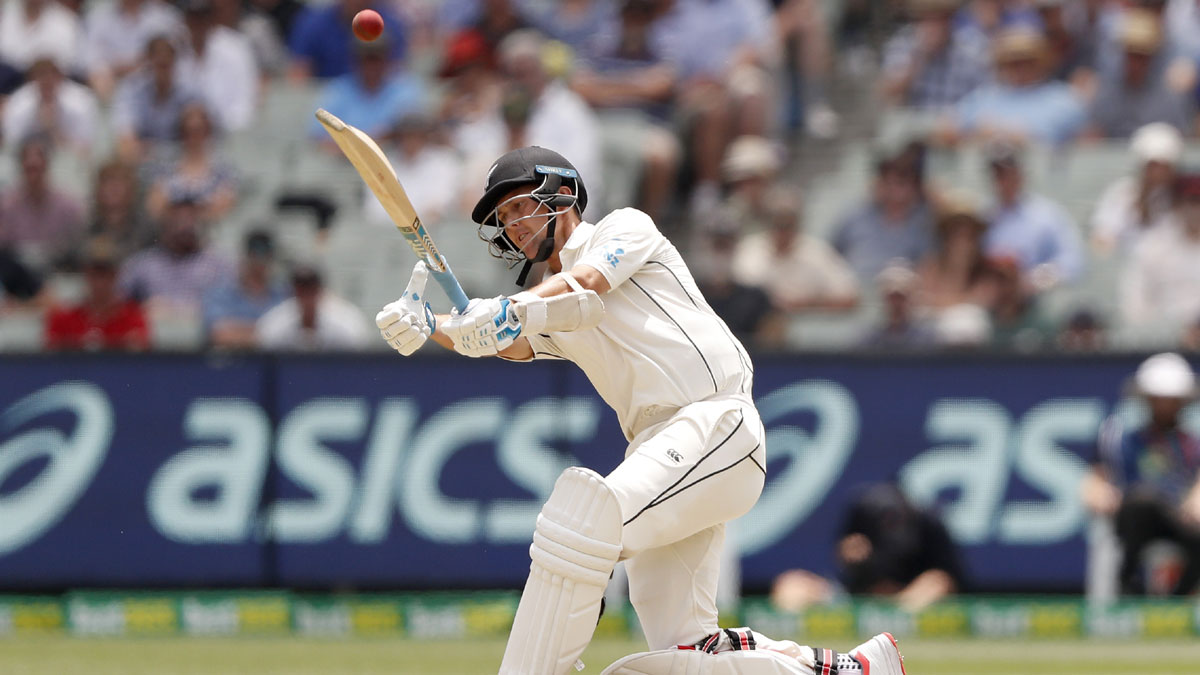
232, 310
631, 86
173, 276
1073, 34
372, 97
148, 104
1034, 230
322, 43
895, 225
930, 66
574, 22
721, 52
1147, 476
987, 18
1021, 105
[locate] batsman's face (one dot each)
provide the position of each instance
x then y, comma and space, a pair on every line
524, 220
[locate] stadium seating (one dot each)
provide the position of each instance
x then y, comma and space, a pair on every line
368, 264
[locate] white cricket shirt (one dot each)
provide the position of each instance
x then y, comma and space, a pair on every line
660, 346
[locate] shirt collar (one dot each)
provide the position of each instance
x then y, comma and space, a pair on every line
581, 234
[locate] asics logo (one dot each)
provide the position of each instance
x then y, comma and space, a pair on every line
71, 458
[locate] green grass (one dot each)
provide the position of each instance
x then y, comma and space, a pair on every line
295, 656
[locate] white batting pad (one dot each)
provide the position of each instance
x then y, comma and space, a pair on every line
575, 546
694, 662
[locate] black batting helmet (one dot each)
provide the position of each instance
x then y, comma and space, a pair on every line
532, 165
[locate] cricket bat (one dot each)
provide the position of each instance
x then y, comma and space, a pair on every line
370, 162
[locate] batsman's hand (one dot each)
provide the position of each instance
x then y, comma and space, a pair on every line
486, 328
407, 323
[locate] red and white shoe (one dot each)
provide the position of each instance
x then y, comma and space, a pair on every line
693, 662
880, 656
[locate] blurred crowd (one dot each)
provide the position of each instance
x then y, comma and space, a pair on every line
713, 116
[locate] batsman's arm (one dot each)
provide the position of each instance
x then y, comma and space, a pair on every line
555, 316
565, 302
587, 276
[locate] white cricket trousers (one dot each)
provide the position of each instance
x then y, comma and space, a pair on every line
681, 481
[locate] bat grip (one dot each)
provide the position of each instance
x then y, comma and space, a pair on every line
453, 290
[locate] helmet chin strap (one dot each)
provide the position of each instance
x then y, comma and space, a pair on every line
545, 250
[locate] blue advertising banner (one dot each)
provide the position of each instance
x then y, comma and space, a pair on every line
372, 472
88, 451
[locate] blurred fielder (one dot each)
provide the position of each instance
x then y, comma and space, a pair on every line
622, 305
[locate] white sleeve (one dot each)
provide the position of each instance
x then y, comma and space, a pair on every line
1069, 256
76, 47
748, 269
348, 326
239, 82
1135, 283
839, 279
83, 111
19, 114
623, 242
564, 122
96, 56
274, 329
1111, 210
757, 15
123, 117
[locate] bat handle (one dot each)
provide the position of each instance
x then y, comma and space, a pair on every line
453, 290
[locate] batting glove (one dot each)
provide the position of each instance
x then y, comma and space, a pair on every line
486, 328
407, 323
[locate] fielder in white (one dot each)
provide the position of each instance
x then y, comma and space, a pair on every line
622, 305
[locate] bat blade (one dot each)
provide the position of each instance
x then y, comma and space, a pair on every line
372, 165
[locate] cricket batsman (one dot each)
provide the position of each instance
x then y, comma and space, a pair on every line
621, 304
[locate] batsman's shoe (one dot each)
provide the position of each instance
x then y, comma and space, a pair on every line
880, 656
694, 662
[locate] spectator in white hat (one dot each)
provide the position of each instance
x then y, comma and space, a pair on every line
900, 328
1159, 285
1133, 204
750, 166
1147, 477
1022, 105
798, 271
1139, 91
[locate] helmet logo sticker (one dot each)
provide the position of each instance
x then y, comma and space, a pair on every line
568, 173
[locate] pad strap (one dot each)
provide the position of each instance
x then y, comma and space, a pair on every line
579, 309
570, 280
825, 661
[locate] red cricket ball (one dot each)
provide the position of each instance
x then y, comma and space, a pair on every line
367, 25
